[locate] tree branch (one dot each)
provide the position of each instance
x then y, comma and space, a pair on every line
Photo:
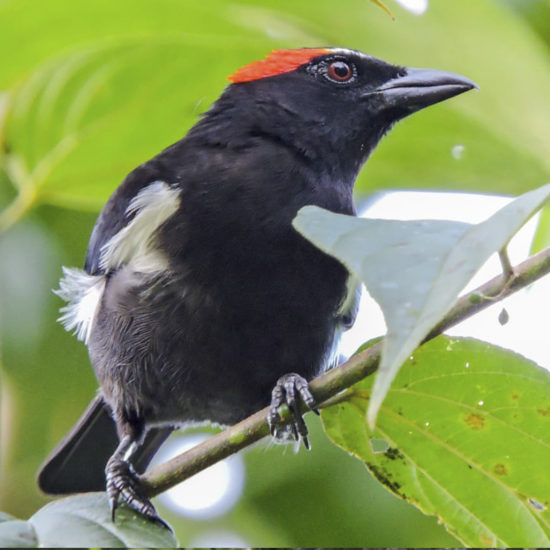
327, 385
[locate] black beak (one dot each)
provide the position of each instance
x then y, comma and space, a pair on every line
419, 88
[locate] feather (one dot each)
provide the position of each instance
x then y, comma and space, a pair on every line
83, 293
151, 207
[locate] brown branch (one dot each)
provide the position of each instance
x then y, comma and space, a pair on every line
326, 386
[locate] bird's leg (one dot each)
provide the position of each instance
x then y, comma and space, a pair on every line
287, 391
124, 483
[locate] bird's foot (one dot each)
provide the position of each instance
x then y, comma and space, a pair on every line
123, 483
288, 390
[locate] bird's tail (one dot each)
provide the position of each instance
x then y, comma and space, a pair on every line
77, 464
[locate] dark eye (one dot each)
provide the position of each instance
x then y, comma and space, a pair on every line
340, 71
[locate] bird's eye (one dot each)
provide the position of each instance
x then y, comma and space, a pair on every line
340, 71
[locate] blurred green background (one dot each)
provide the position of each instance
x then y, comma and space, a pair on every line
90, 89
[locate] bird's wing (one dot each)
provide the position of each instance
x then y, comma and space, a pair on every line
124, 234
124, 229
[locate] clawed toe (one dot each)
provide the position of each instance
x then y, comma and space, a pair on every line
289, 390
123, 483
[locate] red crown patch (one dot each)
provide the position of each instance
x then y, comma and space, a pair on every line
277, 62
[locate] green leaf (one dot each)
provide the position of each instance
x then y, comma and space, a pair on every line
78, 125
542, 236
43, 35
85, 520
415, 270
468, 429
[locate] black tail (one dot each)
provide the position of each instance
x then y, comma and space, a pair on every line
77, 464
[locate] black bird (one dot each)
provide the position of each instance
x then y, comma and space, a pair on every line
198, 300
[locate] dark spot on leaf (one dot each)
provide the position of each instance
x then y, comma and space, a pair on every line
544, 412
500, 470
515, 396
393, 453
475, 421
384, 478
470, 466
486, 540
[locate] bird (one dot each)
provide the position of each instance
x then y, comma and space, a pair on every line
199, 301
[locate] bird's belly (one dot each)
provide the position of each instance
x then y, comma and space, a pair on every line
175, 354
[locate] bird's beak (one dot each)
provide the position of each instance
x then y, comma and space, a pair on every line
419, 88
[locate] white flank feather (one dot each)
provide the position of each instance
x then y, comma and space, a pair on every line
83, 293
353, 288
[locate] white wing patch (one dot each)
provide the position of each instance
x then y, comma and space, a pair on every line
133, 244
83, 293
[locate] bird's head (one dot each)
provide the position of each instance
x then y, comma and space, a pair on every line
324, 101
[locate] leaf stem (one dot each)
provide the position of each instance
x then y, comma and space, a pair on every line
17, 208
507, 269
329, 384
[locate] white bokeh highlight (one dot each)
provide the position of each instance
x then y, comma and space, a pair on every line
418, 7
208, 494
